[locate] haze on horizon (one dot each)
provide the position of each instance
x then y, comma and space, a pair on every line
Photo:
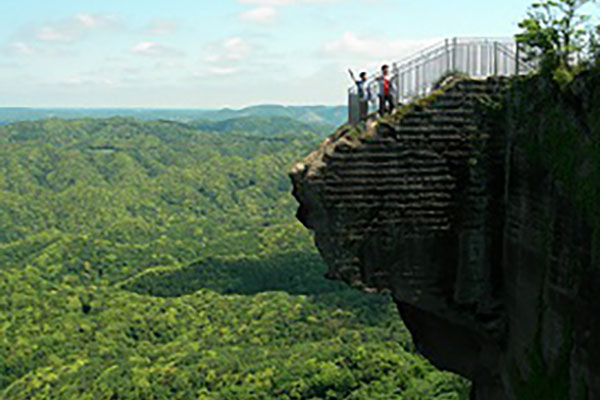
211, 54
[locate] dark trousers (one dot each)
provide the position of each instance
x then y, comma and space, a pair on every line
386, 104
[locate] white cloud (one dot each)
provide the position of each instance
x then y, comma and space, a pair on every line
90, 21
154, 49
87, 80
265, 11
261, 15
236, 48
229, 50
229, 56
162, 27
54, 38
75, 27
266, 3
50, 34
20, 48
280, 3
25, 49
9, 65
350, 45
224, 70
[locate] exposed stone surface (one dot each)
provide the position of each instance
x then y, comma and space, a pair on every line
481, 250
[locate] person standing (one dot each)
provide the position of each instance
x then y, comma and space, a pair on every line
363, 92
387, 91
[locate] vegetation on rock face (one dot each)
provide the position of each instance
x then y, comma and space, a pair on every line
447, 78
156, 260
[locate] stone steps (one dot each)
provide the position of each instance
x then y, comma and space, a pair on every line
437, 120
439, 192
429, 113
377, 157
392, 179
406, 172
435, 131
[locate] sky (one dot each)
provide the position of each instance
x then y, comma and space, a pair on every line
219, 53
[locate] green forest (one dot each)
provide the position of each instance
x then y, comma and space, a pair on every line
160, 260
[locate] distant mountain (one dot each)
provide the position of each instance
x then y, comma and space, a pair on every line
264, 126
328, 115
322, 114
8, 115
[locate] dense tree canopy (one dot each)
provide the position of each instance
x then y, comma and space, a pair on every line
158, 260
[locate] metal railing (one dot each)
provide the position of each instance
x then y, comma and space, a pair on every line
417, 75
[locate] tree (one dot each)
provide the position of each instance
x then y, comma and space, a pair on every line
555, 33
595, 44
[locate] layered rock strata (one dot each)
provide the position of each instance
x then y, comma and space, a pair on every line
441, 206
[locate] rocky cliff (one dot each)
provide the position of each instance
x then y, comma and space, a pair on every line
476, 209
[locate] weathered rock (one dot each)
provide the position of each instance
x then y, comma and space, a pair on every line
488, 259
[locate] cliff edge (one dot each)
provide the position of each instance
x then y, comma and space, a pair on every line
476, 209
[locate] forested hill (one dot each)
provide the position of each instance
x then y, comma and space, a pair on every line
264, 126
113, 176
331, 115
327, 115
159, 260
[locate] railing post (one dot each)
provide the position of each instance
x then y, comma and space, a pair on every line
353, 108
410, 81
396, 77
488, 60
417, 81
517, 58
454, 49
495, 58
447, 52
402, 89
468, 60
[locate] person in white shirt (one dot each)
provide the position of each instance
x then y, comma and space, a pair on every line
363, 92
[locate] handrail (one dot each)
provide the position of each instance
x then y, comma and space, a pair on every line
416, 75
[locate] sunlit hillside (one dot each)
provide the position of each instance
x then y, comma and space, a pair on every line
158, 260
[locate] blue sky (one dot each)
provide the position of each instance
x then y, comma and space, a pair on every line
217, 53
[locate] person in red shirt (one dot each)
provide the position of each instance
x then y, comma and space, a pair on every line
387, 91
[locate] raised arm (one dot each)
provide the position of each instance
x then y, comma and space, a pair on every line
352, 75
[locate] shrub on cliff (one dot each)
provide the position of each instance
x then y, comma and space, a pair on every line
555, 34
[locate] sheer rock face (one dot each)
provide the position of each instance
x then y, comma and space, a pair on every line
480, 250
